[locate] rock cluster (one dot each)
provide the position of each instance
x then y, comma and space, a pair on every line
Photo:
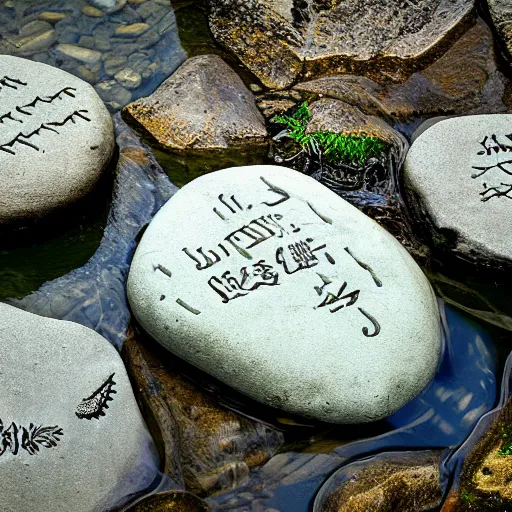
125, 49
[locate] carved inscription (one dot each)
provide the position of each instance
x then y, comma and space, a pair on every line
94, 405
492, 153
15, 438
294, 255
26, 138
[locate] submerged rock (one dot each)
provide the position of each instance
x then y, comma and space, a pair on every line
51, 117
175, 501
95, 294
266, 305
279, 40
464, 80
398, 482
72, 436
462, 165
204, 105
207, 448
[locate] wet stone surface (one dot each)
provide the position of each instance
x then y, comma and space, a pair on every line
246, 239
125, 49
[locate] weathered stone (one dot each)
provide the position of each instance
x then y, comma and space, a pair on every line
93, 12
109, 6
57, 119
128, 78
277, 40
177, 501
501, 15
53, 17
465, 80
195, 430
30, 45
61, 451
78, 53
134, 30
204, 105
268, 314
462, 165
398, 482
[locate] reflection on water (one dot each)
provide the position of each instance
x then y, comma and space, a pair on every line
125, 51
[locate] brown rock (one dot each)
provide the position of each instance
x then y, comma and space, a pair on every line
278, 40
464, 80
405, 483
205, 447
172, 501
204, 105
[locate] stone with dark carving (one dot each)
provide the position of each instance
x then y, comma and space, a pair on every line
458, 180
204, 105
207, 448
281, 41
269, 277
56, 139
50, 457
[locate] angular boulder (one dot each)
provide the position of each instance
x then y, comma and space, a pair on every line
271, 283
204, 105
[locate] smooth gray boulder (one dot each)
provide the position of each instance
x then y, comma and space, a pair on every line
56, 139
458, 178
71, 434
271, 283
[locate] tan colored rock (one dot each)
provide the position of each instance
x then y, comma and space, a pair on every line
379, 38
134, 30
29, 45
410, 483
206, 446
463, 80
203, 105
52, 17
93, 12
79, 53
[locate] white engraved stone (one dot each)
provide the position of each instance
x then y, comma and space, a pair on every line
458, 176
56, 138
270, 282
71, 435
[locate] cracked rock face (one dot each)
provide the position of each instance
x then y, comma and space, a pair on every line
57, 138
270, 282
281, 41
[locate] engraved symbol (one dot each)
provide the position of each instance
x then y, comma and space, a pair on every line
95, 405
300, 254
230, 287
272, 188
15, 437
11, 83
228, 206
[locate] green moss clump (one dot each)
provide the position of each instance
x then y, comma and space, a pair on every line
335, 147
506, 436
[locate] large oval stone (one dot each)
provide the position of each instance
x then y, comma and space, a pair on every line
71, 434
271, 283
56, 138
458, 176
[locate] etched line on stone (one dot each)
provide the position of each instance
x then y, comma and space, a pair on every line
187, 307
376, 280
327, 220
219, 214
496, 192
15, 437
94, 405
162, 269
19, 139
49, 99
277, 190
376, 324
7, 81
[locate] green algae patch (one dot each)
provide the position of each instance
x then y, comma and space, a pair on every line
334, 147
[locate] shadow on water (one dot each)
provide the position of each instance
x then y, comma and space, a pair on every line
50, 248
